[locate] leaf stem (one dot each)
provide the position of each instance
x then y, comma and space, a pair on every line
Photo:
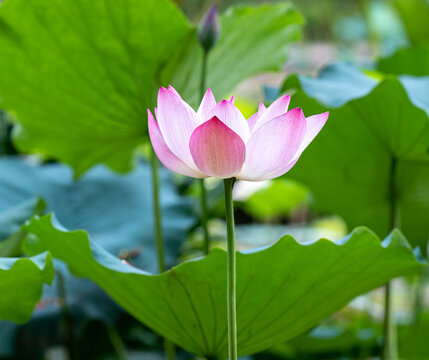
118, 345
418, 299
66, 319
203, 192
170, 350
169, 347
390, 346
203, 74
231, 271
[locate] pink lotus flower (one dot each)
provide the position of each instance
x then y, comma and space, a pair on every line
218, 141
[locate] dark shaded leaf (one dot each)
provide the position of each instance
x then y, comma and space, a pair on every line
117, 212
187, 304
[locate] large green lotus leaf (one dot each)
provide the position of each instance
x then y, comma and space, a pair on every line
21, 285
248, 34
414, 14
410, 61
79, 75
282, 290
348, 166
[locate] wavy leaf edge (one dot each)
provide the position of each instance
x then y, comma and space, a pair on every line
394, 240
43, 262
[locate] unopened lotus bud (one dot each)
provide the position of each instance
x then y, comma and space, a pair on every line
209, 29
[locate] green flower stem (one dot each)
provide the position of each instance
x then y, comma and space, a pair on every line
390, 346
157, 214
169, 347
204, 216
231, 271
203, 192
390, 350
